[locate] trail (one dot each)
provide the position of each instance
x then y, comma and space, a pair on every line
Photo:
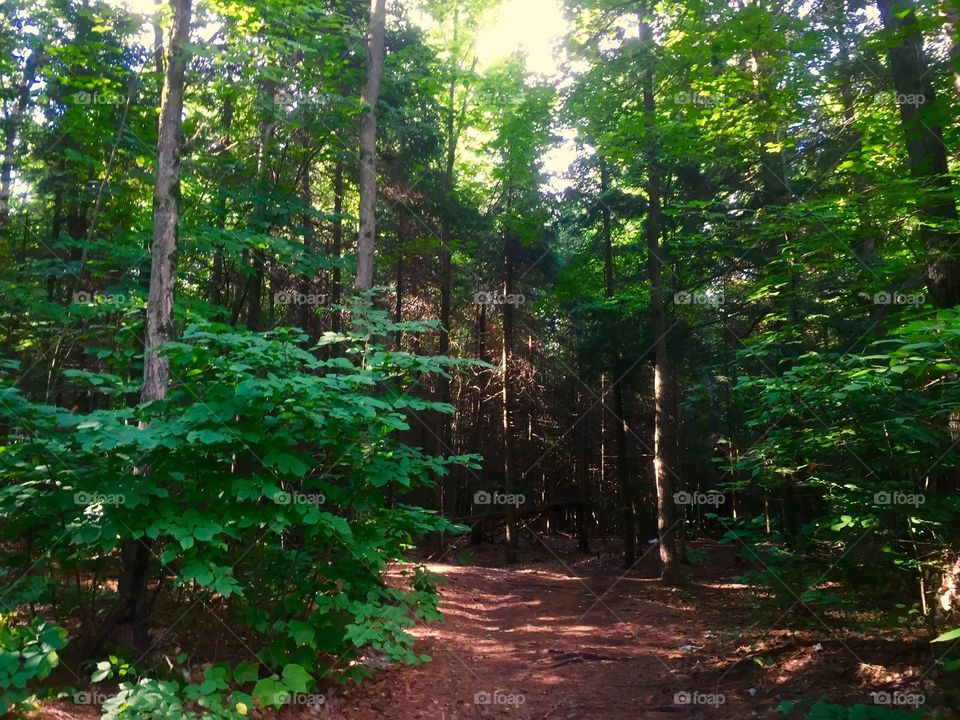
563, 636
569, 638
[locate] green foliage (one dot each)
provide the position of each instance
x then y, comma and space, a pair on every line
273, 488
28, 653
864, 432
822, 710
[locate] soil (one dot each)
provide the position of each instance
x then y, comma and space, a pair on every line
568, 636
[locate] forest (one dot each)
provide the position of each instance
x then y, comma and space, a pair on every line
464, 359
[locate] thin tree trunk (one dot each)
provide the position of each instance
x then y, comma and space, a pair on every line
398, 308
618, 420
444, 421
337, 250
506, 351
662, 431
583, 477
166, 208
218, 293
131, 600
368, 147
307, 310
924, 141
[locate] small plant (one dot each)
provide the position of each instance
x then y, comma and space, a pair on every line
822, 710
112, 667
217, 696
28, 653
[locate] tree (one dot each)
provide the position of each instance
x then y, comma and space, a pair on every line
131, 602
368, 146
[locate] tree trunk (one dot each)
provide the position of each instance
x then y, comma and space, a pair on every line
337, 250
506, 351
368, 147
618, 421
131, 601
218, 293
582, 476
924, 141
398, 308
662, 430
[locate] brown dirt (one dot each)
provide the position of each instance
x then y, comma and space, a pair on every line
563, 636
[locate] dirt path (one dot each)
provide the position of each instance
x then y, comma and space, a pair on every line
570, 640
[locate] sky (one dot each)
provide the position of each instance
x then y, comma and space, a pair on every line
534, 26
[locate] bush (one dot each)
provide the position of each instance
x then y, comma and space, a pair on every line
269, 481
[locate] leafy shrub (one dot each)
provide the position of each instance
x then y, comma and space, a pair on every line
28, 653
269, 481
870, 439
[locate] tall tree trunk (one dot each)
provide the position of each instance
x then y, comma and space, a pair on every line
368, 147
582, 475
662, 440
928, 156
217, 292
618, 420
398, 308
506, 352
131, 600
337, 241
307, 310
446, 497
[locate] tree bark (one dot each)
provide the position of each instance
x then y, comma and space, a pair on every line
166, 208
654, 227
337, 241
927, 153
618, 421
506, 351
368, 147
131, 601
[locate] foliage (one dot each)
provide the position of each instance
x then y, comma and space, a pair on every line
273, 488
28, 653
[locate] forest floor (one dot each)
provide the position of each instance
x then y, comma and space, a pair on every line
566, 636
563, 636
